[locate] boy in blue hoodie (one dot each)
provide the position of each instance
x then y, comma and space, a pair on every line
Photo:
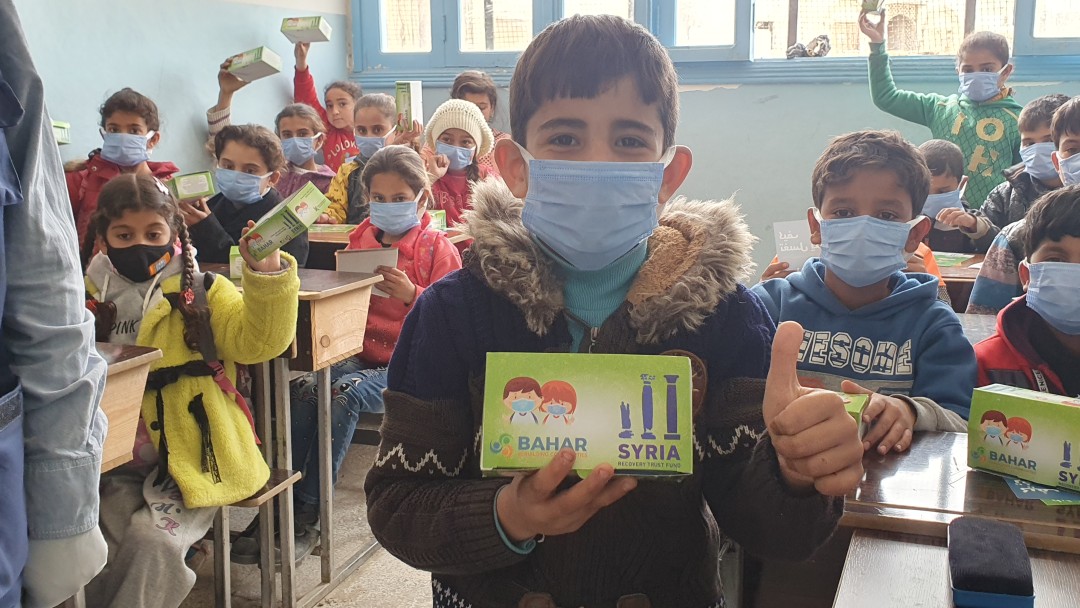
868, 327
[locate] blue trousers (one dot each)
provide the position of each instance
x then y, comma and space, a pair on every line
356, 388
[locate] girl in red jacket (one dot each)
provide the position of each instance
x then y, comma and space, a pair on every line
396, 184
130, 129
341, 96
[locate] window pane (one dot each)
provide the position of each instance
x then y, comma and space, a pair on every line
705, 23
839, 20
771, 29
406, 26
996, 16
495, 25
1057, 18
622, 8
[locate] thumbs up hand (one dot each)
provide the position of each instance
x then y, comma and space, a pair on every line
816, 440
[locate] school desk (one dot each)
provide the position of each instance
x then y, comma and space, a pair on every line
330, 327
920, 491
890, 570
324, 242
125, 385
960, 279
978, 327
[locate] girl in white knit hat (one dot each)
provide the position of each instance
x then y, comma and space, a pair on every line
458, 135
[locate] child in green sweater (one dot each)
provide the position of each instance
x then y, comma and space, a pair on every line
981, 118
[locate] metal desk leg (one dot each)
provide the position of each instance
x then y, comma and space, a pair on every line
222, 563
76, 601
266, 511
283, 447
326, 478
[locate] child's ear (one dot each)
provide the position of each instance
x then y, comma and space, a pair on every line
917, 234
1005, 73
963, 185
1057, 161
815, 227
320, 138
153, 141
1025, 274
274, 177
675, 173
512, 167
103, 247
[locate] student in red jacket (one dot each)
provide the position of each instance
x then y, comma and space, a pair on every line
130, 128
1037, 344
341, 96
396, 184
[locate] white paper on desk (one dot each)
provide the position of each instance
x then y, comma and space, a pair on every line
793, 243
367, 260
976, 266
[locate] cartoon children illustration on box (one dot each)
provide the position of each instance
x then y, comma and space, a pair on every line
1018, 432
993, 425
521, 396
559, 402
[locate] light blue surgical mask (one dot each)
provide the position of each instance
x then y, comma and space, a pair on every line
368, 146
299, 150
395, 218
1070, 169
1017, 438
863, 250
592, 213
125, 149
980, 86
1037, 160
936, 203
993, 431
459, 157
240, 188
523, 405
556, 410
1054, 293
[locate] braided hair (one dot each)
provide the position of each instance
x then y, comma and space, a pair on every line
134, 192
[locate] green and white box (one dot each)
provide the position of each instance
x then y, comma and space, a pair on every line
1026, 434
409, 95
192, 186
306, 29
633, 412
873, 6
255, 64
62, 132
288, 220
236, 263
438, 219
856, 406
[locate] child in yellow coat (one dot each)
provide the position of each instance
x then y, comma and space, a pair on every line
196, 448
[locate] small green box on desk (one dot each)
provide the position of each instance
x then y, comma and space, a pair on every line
1026, 434
633, 412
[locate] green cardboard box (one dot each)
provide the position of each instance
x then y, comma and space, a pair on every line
1026, 434
192, 186
873, 6
856, 405
254, 64
633, 412
236, 264
409, 96
288, 220
438, 219
306, 29
62, 132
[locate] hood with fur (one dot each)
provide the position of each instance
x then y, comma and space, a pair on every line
697, 256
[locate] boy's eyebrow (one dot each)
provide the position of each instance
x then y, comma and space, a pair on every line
567, 123
625, 123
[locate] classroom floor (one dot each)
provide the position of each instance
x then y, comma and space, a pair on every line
382, 582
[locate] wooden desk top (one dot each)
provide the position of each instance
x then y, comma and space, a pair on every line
978, 327
924, 489
124, 357
963, 273
318, 284
341, 237
886, 570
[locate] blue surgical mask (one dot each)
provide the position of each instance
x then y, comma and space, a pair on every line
1070, 169
299, 150
936, 203
1054, 293
993, 431
1017, 438
459, 157
556, 410
240, 188
125, 149
1038, 162
368, 146
395, 218
863, 250
523, 405
592, 213
980, 86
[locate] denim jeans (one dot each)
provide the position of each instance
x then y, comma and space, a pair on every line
356, 388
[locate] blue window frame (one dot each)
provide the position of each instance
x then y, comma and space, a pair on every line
1035, 58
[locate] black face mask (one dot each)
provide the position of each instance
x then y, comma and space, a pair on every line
139, 263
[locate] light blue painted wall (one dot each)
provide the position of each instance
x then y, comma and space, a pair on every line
758, 140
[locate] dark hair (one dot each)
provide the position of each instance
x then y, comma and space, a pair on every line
473, 82
521, 384
1053, 217
401, 160
943, 157
1066, 121
351, 88
985, 41
861, 150
1039, 112
253, 136
382, 102
130, 100
300, 110
582, 56
135, 192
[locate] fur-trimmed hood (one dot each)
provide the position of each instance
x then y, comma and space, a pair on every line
697, 256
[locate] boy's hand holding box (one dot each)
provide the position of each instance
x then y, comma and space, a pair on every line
306, 29
254, 64
633, 412
288, 220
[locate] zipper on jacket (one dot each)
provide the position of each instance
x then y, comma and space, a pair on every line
593, 333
